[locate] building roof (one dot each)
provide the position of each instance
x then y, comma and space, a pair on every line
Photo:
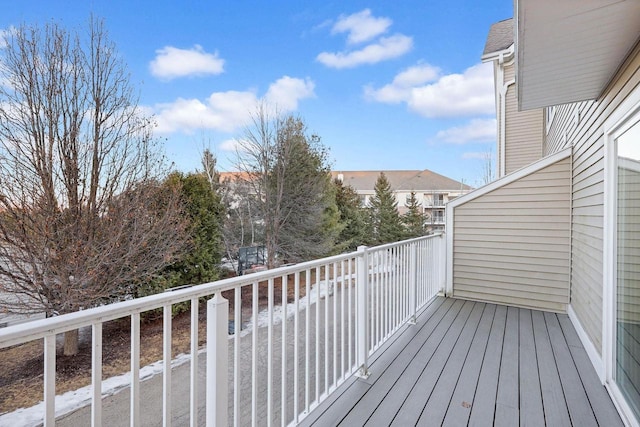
407, 180
500, 37
233, 176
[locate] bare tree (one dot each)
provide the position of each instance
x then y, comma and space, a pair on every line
487, 167
209, 169
83, 215
287, 172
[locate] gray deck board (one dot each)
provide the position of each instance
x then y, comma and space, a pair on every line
423, 387
604, 409
387, 408
577, 401
478, 364
437, 404
555, 407
531, 410
507, 404
459, 408
369, 407
484, 405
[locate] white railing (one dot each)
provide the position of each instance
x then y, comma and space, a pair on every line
298, 333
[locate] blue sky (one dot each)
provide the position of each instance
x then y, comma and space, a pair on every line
387, 85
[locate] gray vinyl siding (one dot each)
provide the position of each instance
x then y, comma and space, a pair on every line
509, 72
512, 245
566, 125
580, 125
523, 134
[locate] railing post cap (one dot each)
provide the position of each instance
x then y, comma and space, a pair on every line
362, 248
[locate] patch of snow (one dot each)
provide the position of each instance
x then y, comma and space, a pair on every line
73, 400
76, 399
321, 291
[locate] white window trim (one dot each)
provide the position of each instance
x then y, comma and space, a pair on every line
620, 120
550, 114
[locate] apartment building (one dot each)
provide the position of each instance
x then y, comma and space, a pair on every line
432, 190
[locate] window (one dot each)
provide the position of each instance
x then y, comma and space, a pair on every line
627, 265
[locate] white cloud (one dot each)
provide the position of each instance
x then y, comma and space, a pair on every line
400, 89
232, 145
172, 62
385, 48
361, 26
477, 130
451, 95
285, 92
228, 111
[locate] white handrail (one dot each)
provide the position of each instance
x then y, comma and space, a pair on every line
325, 336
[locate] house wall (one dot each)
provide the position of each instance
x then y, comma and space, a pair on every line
523, 132
512, 245
580, 125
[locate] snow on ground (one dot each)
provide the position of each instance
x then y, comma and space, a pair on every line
72, 400
263, 316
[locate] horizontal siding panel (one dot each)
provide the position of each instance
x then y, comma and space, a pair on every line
466, 258
590, 158
557, 232
520, 245
557, 196
595, 220
594, 200
588, 188
541, 293
514, 226
521, 206
499, 298
515, 279
541, 255
523, 134
588, 234
472, 217
530, 267
511, 245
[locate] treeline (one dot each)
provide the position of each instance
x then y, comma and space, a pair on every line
90, 214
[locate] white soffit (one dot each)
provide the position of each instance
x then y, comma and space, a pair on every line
569, 50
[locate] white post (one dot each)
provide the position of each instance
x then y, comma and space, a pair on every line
217, 361
362, 312
413, 282
96, 375
49, 381
442, 263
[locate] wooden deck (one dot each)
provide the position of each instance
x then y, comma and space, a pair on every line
471, 363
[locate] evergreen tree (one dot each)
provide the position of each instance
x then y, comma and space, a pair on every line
204, 211
414, 218
287, 171
352, 218
386, 224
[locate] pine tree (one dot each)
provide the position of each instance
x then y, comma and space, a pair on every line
288, 172
414, 218
385, 221
352, 218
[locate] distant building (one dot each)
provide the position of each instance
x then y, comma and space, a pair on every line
432, 190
